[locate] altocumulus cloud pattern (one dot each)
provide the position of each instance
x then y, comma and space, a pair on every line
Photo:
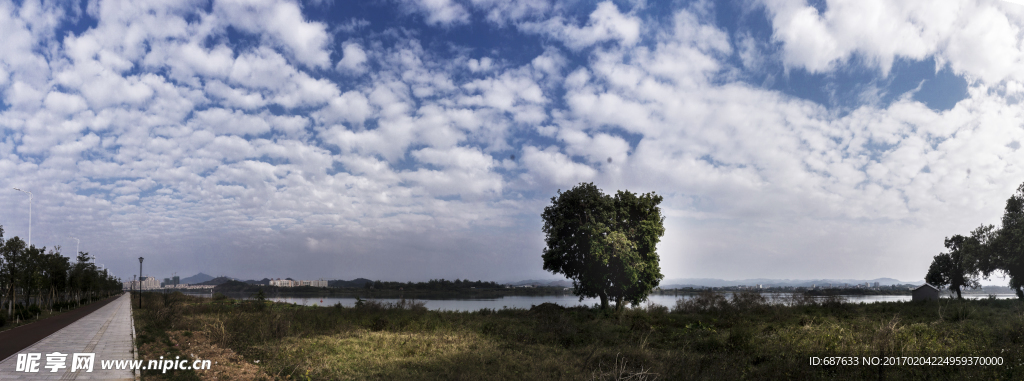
412, 139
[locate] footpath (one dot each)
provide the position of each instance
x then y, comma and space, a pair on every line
78, 351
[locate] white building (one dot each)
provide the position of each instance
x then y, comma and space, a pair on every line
186, 286
282, 283
298, 283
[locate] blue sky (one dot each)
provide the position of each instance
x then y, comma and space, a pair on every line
418, 139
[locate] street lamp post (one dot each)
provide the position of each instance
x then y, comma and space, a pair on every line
29, 215
140, 283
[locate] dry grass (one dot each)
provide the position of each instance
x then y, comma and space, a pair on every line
709, 337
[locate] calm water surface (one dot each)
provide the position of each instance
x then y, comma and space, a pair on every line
525, 302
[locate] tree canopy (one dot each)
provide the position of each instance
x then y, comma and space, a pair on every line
606, 245
988, 249
967, 259
32, 277
1009, 242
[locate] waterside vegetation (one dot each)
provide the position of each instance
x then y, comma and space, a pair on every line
711, 336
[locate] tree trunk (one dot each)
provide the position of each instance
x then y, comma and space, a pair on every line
618, 303
604, 301
958, 295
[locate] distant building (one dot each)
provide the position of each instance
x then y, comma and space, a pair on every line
282, 283
298, 283
876, 284
150, 283
925, 292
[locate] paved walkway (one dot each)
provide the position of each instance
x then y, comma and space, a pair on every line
107, 333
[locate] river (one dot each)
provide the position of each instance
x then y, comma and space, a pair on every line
525, 302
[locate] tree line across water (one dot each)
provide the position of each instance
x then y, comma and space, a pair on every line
33, 279
984, 251
431, 285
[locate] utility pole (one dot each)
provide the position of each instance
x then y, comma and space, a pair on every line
140, 283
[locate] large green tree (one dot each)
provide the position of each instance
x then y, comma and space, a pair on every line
1010, 242
969, 258
606, 245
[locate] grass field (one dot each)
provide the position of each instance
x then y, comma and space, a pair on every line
707, 337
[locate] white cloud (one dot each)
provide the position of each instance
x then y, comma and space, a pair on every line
352, 25
230, 122
463, 171
548, 167
64, 103
164, 130
282, 22
354, 59
23, 96
484, 64
438, 12
351, 107
234, 97
515, 93
501, 12
18, 60
266, 70
974, 37
606, 23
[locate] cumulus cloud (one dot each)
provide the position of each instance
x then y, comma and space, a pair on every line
501, 12
975, 38
282, 22
231, 127
354, 59
606, 23
438, 12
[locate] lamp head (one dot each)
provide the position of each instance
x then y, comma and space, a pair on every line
140, 259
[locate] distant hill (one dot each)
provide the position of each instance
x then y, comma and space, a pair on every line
217, 281
358, 282
196, 279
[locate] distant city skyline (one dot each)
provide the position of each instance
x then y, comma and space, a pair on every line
413, 139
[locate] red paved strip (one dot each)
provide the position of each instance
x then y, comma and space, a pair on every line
14, 340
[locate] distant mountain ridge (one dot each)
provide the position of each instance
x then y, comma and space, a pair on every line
218, 281
196, 279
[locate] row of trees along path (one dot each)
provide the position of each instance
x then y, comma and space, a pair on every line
986, 250
605, 244
33, 279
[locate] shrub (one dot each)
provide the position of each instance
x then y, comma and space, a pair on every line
748, 301
707, 301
